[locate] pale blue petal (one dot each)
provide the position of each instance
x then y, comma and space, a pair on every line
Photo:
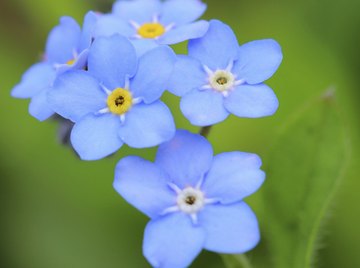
143, 185
75, 94
140, 11
188, 74
154, 70
79, 63
204, 107
231, 229
63, 41
143, 45
184, 33
35, 79
111, 60
186, 158
172, 241
181, 11
108, 25
217, 48
252, 101
258, 61
95, 136
147, 125
39, 107
233, 176
87, 33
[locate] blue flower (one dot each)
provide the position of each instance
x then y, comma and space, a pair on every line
194, 200
151, 22
66, 48
117, 100
219, 78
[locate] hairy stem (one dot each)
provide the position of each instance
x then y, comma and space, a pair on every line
236, 261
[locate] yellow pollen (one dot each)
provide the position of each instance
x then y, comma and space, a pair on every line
151, 30
221, 80
119, 101
70, 62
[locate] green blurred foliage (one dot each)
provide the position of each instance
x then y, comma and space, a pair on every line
306, 165
57, 211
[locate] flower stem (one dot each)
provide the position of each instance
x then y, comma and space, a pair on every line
236, 261
205, 131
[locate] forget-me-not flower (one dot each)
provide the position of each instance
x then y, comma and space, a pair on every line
151, 22
194, 199
66, 48
219, 77
117, 100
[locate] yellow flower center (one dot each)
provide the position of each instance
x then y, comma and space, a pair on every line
119, 101
70, 62
151, 30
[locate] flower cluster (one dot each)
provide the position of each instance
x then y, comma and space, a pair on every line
107, 78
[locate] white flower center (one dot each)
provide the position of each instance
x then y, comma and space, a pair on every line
190, 200
222, 80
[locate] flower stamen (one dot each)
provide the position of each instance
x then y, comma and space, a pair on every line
119, 101
151, 30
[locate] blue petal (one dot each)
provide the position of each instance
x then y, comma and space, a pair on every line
233, 176
140, 11
76, 94
204, 107
252, 101
258, 61
217, 48
143, 185
231, 229
186, 158
108, 25
147, 125
185, 32
63, 41
79, 63
95, 136
36, 78
154, 70
181, 12
87, 33
172, 241
111, 60
39, 107
188, 74
143, 45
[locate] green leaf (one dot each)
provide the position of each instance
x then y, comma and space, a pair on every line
236, 261
304, 170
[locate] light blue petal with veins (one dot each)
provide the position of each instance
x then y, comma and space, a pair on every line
63, 41
154, 70
231, 229
204, 107
111, 60
217, 48
143, 185
258, 61
233, 176
184, 32
76, 94
35, 79
95, 136
181, 11
186, 158
172, 241
147, 125
252, 101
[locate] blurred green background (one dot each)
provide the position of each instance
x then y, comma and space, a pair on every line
57, 211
